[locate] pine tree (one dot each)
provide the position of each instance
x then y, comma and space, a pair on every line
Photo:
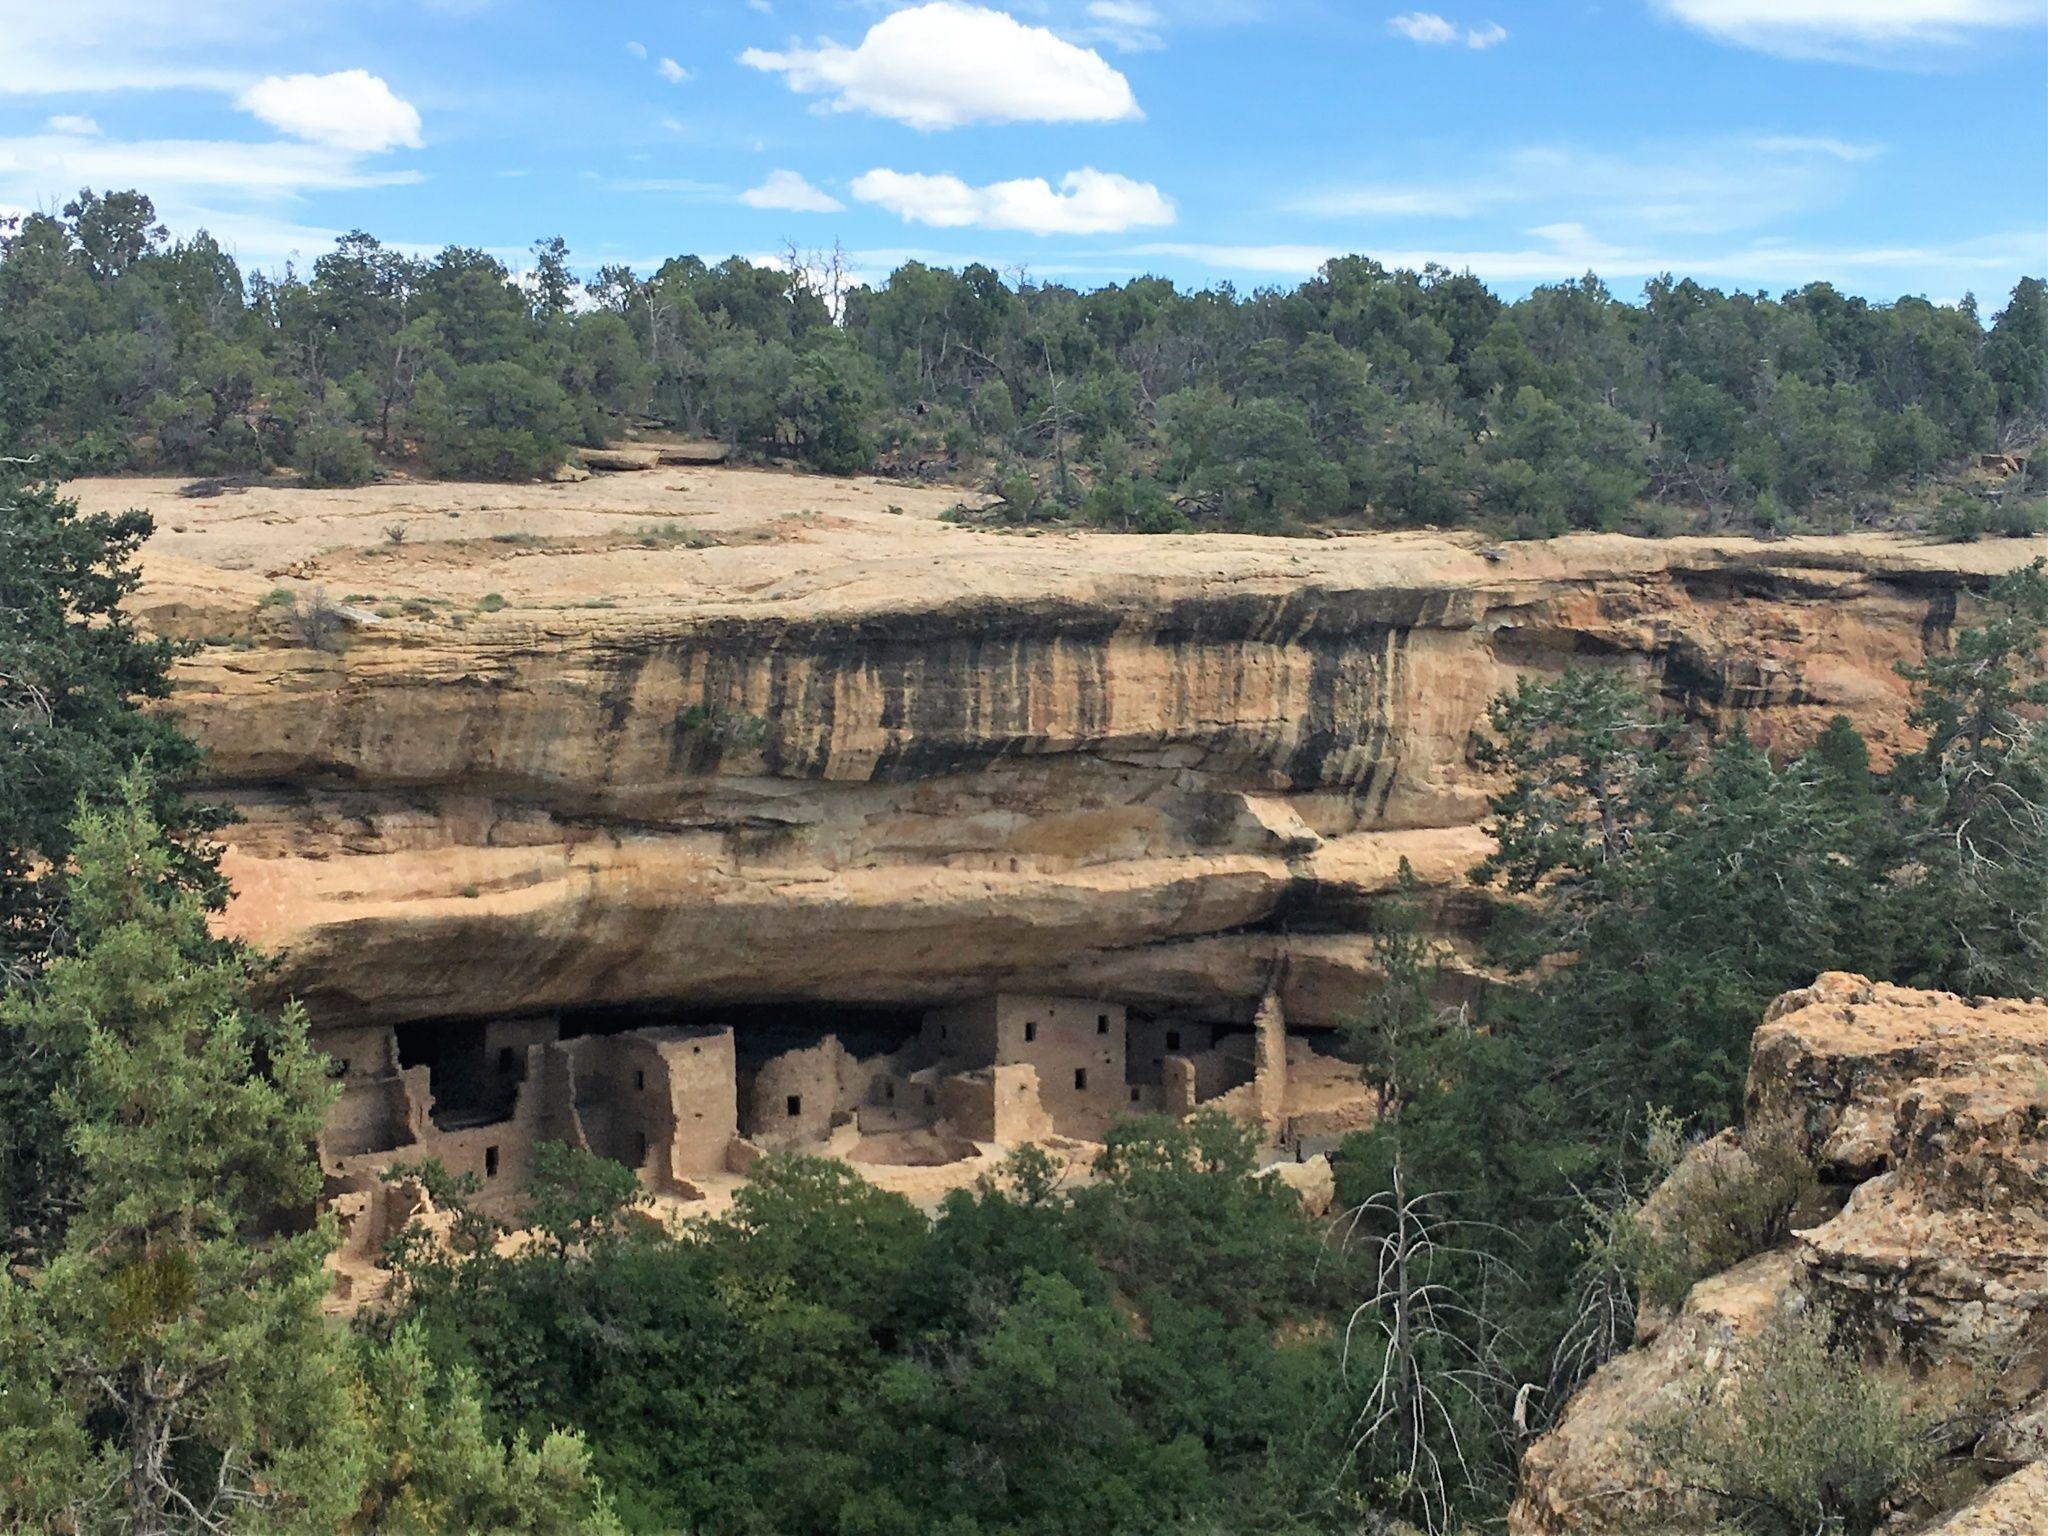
1976, 799
182, 1376
73, 670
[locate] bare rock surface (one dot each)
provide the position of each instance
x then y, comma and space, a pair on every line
1932, 1111
707, 735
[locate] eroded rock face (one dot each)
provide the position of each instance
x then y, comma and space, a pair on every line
800, 741
1931, 1111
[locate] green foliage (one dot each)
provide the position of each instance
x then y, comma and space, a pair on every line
494, 421
432, 1468
176, 1345
1796, 1436
166, 1366
1402, 398
1975, 823
333, 457
1961, 518
1720, 1203
1398, 1034
1659, 889
73, 670
823, 1357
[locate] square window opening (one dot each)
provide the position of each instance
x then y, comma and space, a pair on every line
1173, 1039
794, 1105
1030, 1030
1080, 1078
1102, 1023
490, 1162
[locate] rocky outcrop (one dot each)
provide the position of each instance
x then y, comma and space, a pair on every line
1928, 1115
710, 736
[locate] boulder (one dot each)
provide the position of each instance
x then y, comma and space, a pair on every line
1314, 1182
1929, 1112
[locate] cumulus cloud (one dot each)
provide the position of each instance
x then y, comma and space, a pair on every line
789, 191
943, 64
350, 109
73, 126
672, 72
1873, 30
1434, 31
1086, 202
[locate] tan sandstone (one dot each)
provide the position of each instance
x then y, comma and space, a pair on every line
709, 736
1929, 1113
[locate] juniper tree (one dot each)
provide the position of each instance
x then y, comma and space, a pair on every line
173, 1343
74, 675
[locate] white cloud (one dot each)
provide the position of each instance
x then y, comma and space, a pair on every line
1565, 251
1873, 31
1805, 144
57, 164
1422, 27
1131, 25
943, 64
1434, 31
76, 127
672, 72
350, 109
788, 191
678, 185
765, 7
638, 50
1087, 202
57, 46
1710, 187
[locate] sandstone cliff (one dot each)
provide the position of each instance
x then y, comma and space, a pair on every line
722, 736
1927, 1117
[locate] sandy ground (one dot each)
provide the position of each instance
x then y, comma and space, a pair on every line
737, 539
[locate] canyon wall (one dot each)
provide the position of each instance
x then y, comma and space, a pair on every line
857, 755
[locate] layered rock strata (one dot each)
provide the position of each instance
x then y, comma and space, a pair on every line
799, 740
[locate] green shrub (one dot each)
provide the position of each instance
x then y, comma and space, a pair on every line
331, 457
1721, 1204
1133, 506
494, 421
1803, 1438
490, 602
1962, 518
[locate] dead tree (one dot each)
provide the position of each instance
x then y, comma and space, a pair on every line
1436, 1365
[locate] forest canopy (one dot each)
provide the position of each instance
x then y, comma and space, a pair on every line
1363, 397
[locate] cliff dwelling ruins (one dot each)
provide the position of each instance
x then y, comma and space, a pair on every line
689, 1099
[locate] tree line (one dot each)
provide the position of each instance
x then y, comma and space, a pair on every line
1363, 396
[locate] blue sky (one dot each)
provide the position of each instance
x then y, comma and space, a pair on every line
1890, 146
